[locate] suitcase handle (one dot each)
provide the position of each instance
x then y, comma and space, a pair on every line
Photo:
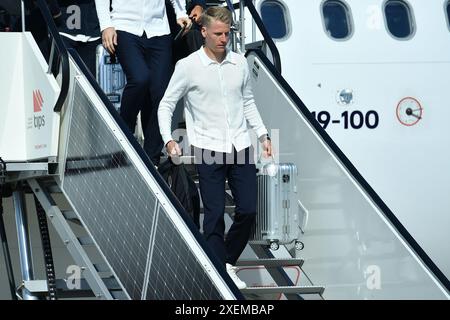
301, 208
272, 158
272, 172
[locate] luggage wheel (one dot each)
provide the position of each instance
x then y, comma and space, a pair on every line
299, 245
274, 245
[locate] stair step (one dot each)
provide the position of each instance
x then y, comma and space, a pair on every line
70, 215
111, 283
85, 291
119, 295
54, 188
101, 267
270, 263
86, 241
287, 290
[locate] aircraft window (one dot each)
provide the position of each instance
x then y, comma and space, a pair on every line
399, 19
274, 15
337, 19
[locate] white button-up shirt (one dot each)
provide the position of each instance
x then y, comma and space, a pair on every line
137, 16
218, 100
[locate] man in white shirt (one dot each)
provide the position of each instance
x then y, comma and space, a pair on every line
218, 99
138, 32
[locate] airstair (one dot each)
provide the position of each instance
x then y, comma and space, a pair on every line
127, 235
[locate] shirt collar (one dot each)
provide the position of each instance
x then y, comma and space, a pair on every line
206, 61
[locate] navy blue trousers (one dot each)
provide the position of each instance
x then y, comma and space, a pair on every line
242, 181
147, 64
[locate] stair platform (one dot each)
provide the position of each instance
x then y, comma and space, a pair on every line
285, 290
270, 263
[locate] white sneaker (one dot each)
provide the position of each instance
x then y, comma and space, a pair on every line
232, 273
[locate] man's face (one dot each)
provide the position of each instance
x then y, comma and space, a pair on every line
216, 36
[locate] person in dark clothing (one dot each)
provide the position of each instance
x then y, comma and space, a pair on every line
80, 29
35, 22
193, 39
195, 10
13, 7
5, 20
139, 33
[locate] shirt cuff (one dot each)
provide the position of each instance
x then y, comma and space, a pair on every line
106, 26
261, 132
263, 138
182, 14
166, 139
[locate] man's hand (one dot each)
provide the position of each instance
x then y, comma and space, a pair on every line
173, 149
196, 14
109, 39
267, 148
185, 23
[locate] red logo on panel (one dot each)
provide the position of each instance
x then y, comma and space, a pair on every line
38, 101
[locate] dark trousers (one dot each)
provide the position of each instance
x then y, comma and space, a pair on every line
87, 52
242, 182
147, 64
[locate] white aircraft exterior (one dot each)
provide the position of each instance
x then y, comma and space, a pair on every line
375, 74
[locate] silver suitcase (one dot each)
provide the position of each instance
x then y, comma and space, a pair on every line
280, 215
110, 76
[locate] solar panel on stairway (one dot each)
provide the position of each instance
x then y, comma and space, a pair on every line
117, 206
171, 267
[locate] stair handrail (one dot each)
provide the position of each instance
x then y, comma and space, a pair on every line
62, 58
265, 33
262, 28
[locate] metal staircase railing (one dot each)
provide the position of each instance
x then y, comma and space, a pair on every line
102, 288
59, 62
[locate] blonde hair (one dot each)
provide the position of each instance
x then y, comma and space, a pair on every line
221, 14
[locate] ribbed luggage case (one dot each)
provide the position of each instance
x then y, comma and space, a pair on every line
110, 76
279, 216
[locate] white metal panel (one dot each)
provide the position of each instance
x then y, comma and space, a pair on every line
350, 247
405, 165
12, 128
40, 92
28, 126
